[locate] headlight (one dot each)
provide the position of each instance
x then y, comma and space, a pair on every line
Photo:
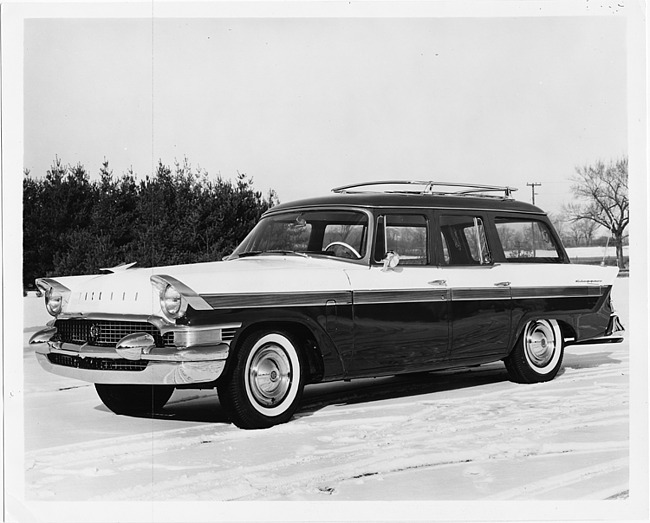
53, 302
172, 303
56, 295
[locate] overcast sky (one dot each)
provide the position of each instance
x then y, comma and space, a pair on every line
306, 104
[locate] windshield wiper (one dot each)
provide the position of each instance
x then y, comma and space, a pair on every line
293, 253
274, 251
249, 253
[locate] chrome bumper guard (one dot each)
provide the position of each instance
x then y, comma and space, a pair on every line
199, 357
613, 333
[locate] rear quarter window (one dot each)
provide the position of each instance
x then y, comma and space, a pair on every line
527, 241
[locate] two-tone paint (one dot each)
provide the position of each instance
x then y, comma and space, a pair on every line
354, 318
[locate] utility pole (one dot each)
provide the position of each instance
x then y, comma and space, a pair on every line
532, 189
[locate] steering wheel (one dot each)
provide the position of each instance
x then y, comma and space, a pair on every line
348, 247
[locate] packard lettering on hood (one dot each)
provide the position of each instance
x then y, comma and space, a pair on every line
376, 279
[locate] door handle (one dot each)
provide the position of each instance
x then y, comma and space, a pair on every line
439, 283
502, 284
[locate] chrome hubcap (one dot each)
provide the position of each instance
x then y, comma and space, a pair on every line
540, 343
270, 375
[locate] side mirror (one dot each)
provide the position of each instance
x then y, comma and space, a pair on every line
390, 261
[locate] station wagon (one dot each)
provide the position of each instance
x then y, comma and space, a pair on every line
375, 279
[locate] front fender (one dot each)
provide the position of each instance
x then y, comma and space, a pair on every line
309, 323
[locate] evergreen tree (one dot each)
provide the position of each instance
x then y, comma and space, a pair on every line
177, 215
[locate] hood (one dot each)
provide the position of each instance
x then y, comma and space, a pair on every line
262, 273
130, 291
127, 292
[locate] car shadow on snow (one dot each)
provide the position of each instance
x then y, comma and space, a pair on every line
204, 406
376, 389
368, 390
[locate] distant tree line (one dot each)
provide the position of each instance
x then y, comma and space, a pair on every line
72, 225
579, 233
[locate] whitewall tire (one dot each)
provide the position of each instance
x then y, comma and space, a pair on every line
265, 383
538, 354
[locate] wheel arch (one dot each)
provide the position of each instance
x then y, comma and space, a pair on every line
567, 327
306, 340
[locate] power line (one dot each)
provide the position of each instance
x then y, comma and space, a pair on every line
532, 189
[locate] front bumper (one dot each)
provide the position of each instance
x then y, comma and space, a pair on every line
135, 359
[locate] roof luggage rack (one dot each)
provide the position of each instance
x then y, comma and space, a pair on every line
428, 187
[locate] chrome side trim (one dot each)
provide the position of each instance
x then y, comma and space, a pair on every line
280, 299
558, 292
490, 293
400, 296
429, 295
364, 297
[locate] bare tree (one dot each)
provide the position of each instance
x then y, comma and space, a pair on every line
601, 195
569, 229
587, 230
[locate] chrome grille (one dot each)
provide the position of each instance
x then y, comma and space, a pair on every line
96, 363
102, 333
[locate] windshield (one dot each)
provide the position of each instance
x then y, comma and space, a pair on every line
341, 234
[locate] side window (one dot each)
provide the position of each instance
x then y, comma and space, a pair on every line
464, 241
526, 241
406, 235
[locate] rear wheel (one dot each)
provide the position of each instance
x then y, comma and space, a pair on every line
538, 354
265, 384
134, 399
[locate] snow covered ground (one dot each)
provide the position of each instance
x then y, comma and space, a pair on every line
467, 434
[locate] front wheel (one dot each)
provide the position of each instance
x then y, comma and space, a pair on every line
134, 399
264, 386
538, 354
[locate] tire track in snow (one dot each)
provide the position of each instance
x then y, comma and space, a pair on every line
452, 426
497, 422
367, 447
560, 481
